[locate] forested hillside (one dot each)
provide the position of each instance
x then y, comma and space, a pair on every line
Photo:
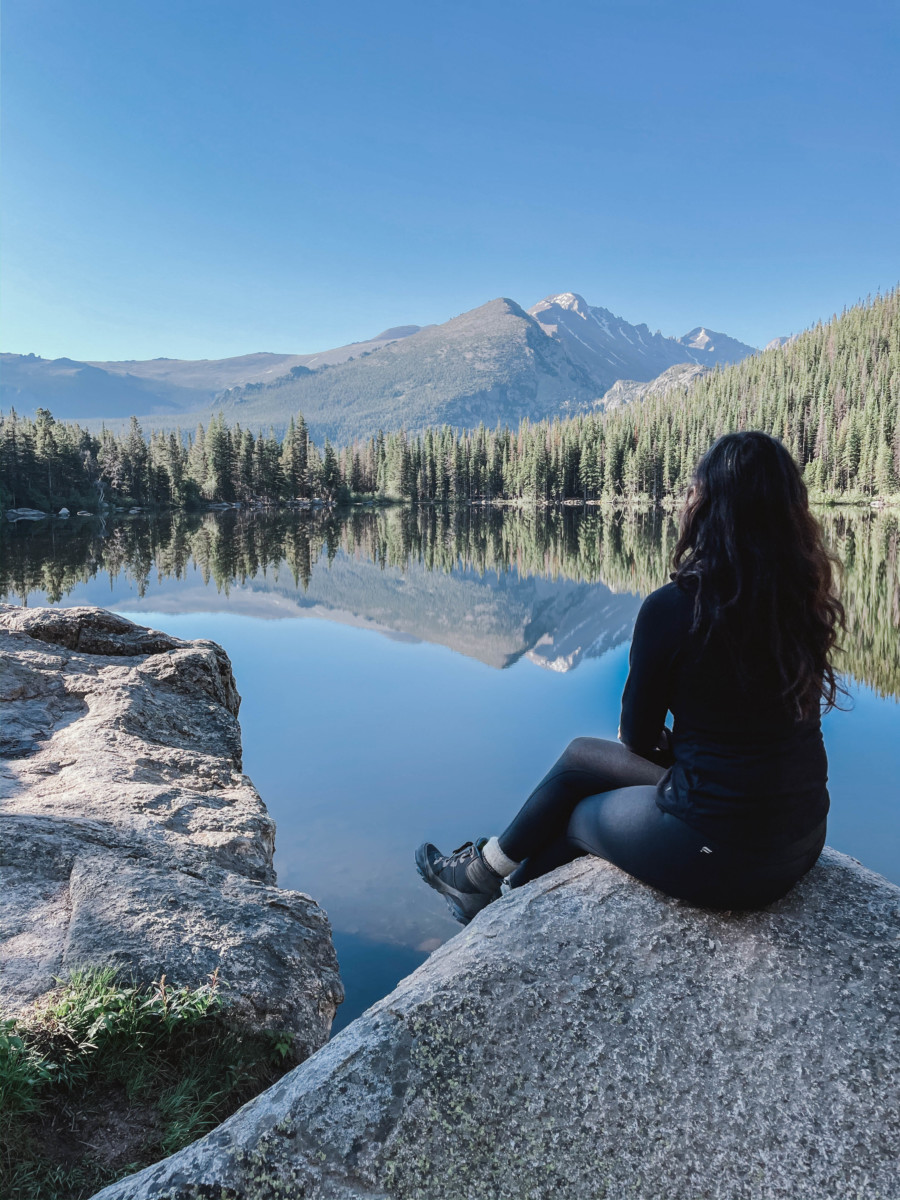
832, 395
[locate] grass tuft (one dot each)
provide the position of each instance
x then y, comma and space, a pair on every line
105, 1078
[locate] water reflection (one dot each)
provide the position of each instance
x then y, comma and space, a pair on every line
432, 681
494, 584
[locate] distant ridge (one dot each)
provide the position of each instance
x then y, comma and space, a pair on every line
495, 363
397, 331
156, 387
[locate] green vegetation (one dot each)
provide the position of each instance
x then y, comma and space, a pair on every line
628, 550
105, 1078
832, 395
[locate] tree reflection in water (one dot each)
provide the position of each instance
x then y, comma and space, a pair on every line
627, 551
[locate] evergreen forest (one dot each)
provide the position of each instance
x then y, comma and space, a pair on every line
832, 395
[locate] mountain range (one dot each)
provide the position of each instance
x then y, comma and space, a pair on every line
495, 363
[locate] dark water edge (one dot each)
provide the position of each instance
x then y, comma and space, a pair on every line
369, 970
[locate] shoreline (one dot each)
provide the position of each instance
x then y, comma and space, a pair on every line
636, 504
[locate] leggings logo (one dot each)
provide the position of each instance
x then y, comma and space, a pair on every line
705, 850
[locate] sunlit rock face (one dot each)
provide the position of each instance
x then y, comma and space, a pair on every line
675, 379
588, 1037
129, 836
612, 349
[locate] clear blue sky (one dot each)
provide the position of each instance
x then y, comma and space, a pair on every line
200, 178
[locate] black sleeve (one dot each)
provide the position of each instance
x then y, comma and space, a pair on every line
658, 633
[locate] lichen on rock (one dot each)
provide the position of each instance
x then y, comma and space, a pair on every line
589, 1037
130, 837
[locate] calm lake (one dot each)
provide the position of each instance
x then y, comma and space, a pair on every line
411, 673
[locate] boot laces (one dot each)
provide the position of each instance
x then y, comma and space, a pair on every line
461, 856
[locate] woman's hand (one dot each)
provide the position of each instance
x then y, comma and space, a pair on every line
662, 753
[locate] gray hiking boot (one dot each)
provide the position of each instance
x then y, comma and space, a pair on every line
463, 878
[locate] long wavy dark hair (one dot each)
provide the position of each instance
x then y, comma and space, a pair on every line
754, 557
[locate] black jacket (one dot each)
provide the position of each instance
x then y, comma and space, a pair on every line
742, 769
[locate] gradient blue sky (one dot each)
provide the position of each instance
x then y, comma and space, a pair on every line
200, 178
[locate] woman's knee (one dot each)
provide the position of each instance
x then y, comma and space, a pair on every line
587, 753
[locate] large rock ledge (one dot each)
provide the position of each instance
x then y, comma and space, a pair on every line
129, 836
588, 1037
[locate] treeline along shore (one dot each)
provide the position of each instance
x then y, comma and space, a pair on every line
832, 395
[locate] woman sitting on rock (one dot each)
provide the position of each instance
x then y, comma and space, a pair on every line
728, 809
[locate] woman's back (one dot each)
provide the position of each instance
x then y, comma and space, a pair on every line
745, 768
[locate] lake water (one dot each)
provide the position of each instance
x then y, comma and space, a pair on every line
410, 674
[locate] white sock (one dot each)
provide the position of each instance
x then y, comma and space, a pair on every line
496, 859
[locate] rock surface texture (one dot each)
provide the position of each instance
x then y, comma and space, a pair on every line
588, 1037
129, 836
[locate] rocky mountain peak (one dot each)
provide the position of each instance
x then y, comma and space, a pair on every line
568, 301
706, 345
698, 339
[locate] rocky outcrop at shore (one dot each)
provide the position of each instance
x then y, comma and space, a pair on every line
588, 1037
129, 836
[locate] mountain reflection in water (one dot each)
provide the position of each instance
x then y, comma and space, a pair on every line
493, 584
439, 726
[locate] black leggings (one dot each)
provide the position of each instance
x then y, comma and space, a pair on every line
600, 798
